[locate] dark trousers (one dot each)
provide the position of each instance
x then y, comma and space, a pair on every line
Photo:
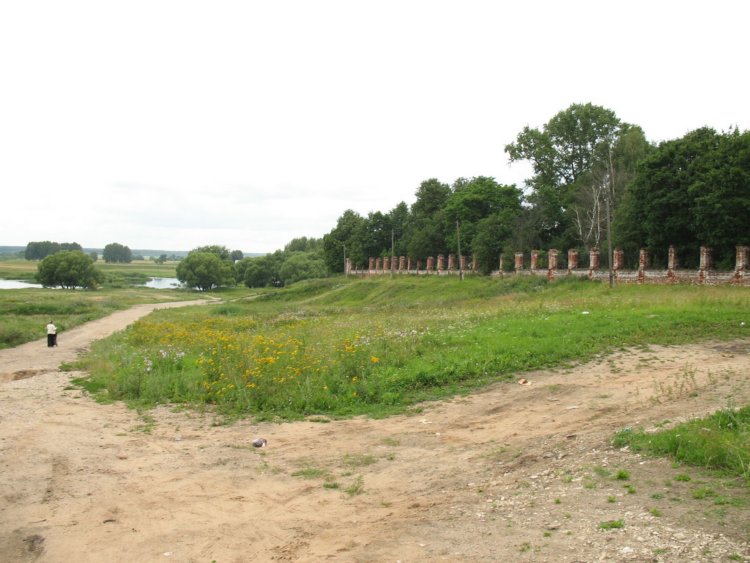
51, 340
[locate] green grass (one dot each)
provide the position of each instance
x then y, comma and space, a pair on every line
611, 525
719, 442
340, 347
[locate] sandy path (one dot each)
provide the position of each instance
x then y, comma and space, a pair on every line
503, 475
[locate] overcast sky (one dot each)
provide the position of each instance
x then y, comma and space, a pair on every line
173, 124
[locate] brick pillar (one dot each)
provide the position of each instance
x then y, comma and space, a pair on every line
741, 263
706, 262
451, 261
551, 263
519, 261
500, 263
430, 263
643, 259
534, 259
409, 265
419, 265
552, 259
347, 266
617, 259
572, 259
371, 265
440, 263
594, 256
474, 263
462, 261
378, 264
672, 263
386, 263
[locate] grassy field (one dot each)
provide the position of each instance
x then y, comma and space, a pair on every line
377, 346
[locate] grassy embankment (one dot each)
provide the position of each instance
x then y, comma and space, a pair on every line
378, 346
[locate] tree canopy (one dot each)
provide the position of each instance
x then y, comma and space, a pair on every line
205, 271
69, 269
117, 253
690, 192
41, 249
573, 158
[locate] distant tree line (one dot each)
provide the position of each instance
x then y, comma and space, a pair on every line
209, 267
41, 249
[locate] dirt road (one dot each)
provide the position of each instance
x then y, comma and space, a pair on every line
513, 473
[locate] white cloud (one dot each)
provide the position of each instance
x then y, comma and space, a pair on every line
172, 124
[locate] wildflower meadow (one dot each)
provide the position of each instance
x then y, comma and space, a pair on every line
342, 347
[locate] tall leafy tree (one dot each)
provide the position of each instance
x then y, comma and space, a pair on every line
472, 201
562, 154
220, 251
69, 269
117, 253
347, 237
690, 192
425, 234
40, 249
205, 271
600, 190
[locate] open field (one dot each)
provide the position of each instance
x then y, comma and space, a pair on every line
492, 471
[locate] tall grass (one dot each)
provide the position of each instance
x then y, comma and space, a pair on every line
377, 346
720, 441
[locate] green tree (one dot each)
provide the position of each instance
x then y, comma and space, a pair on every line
117, 253
261, 271
69, 269
302, 266
220, 251
562, 154
348, 236
425, 235
690, 192
474, 200
205, 271
41, 249
304, 244
236, 255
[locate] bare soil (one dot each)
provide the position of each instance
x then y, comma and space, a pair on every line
516, 472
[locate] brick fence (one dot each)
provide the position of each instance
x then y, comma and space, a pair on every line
705, 274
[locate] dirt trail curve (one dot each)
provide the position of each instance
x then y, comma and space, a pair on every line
512, 473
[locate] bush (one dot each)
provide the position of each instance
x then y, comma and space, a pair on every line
69, 269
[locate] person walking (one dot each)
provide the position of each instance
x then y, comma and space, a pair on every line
51, 334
